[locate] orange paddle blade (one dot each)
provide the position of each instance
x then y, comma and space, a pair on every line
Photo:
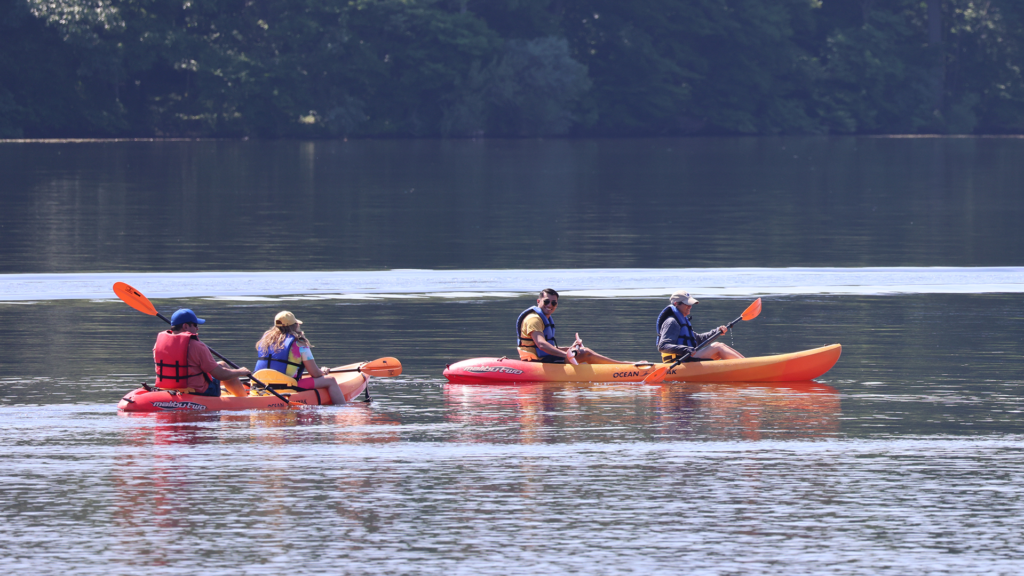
657, 376
382, 367
752, 311
134, 298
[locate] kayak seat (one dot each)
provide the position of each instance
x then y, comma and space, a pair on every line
280, 382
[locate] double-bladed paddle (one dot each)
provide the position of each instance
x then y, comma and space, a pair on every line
135, 299
386, 366
658, 375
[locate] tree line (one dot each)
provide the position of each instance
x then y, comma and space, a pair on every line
410, 68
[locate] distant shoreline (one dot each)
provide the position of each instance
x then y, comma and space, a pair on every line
73, 140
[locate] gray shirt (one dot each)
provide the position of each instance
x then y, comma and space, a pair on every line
670, 332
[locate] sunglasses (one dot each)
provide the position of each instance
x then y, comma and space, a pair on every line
552, 302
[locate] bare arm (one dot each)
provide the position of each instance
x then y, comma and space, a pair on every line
200, 354
543, 344
312, 368
222, 372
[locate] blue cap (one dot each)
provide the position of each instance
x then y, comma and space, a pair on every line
185, 316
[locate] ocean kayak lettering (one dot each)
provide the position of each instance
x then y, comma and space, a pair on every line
624, 374
501, 369
179, 405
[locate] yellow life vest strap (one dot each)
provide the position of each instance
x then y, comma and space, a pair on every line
177, 390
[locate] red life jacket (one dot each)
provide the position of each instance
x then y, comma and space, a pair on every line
170, 354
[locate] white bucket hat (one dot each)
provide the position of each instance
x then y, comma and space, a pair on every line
684, 297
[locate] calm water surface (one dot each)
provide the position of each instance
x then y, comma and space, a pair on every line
906, 458
646, 203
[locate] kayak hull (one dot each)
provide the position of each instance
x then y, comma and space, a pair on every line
140, 400
804, 365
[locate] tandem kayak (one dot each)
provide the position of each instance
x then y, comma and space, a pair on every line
805, 365
352, 385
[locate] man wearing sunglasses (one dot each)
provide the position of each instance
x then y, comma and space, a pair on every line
536, 331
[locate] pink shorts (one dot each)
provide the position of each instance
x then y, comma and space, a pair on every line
306, 383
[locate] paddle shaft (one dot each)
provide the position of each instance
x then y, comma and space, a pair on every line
233, 365
703, 344
333, 370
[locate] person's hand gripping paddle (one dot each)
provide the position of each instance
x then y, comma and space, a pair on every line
570, 354
658, 375
135, 299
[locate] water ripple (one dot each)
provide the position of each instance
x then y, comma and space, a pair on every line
217, 494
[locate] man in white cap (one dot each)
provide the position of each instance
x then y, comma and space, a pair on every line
676, 336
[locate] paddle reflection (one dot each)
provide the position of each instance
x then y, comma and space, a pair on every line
576, 411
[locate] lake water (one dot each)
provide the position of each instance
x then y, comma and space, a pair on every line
906, 458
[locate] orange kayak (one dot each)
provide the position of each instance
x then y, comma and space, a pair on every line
805, 365
352, 385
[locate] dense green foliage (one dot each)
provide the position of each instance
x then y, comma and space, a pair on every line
324, 68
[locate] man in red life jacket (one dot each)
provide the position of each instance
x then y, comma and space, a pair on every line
183, 361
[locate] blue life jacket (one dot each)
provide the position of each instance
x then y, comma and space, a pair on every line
279, 359
549, 331
686, 336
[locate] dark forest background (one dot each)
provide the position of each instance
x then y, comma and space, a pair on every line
330, 68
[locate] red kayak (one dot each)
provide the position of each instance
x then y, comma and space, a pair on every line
141, 400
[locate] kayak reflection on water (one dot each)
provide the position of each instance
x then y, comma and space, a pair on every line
560, 411
357, 423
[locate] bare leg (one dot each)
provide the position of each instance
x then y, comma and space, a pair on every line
235, 387
588, 356
718, 351
337, 397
